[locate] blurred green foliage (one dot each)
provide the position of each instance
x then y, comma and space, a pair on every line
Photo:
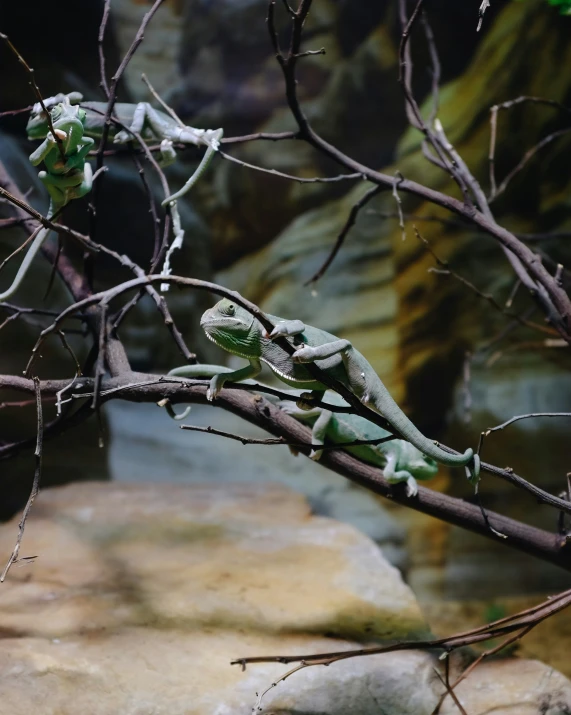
563, 5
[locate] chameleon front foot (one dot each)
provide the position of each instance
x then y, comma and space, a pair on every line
287, 328
215, 386
411, 487
403, 476
308, 354
315, 454
304, 355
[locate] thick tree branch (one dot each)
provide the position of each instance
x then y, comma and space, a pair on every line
142, 387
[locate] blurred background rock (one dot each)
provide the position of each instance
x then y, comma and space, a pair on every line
264, 236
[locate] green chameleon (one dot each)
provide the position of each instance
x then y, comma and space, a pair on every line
141, 118
234, 329
66, 177
399, 460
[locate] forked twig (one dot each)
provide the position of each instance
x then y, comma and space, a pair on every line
494, 130
280, 440
517, 418
519, 622
349, 223
36, 89
446, 270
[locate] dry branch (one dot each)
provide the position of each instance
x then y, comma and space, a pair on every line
141, 387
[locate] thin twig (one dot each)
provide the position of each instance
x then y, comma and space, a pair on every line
14, 112
122, 259
112, 91
486, 654
264, 389
38, 94
46, 222
33, 311
152, 205
262, 694
67, 347
512, 295
112, 98
291, 177
436, 68
35, 484
100, 38
363, 201
20, 248
257, 136
534, 100
494, 129
463, 224
529, 154
472, 184
280, 440
398, 178
413, 113
504, 626
466, 387
446, 270
517, 418
547, 343
168, 109
449, 690
9, 319
525, 417
101, 355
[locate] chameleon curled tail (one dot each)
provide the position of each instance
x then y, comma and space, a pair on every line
393, 413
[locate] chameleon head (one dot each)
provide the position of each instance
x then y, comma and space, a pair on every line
62, 115
66, 114
37, 126
232, 328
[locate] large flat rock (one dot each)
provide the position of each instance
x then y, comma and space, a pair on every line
238, 556
141, 595
147, 446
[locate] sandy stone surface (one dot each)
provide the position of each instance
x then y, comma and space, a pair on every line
141, 595
173, 556
525, 687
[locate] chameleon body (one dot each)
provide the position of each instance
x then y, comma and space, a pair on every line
234, 329
66, 177
151, 124
399, 460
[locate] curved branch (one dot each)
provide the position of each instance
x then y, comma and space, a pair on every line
531, 540
519, 621
532, 262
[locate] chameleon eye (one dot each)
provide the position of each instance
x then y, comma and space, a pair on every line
231, 309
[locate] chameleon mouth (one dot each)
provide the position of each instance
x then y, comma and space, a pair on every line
224, 347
